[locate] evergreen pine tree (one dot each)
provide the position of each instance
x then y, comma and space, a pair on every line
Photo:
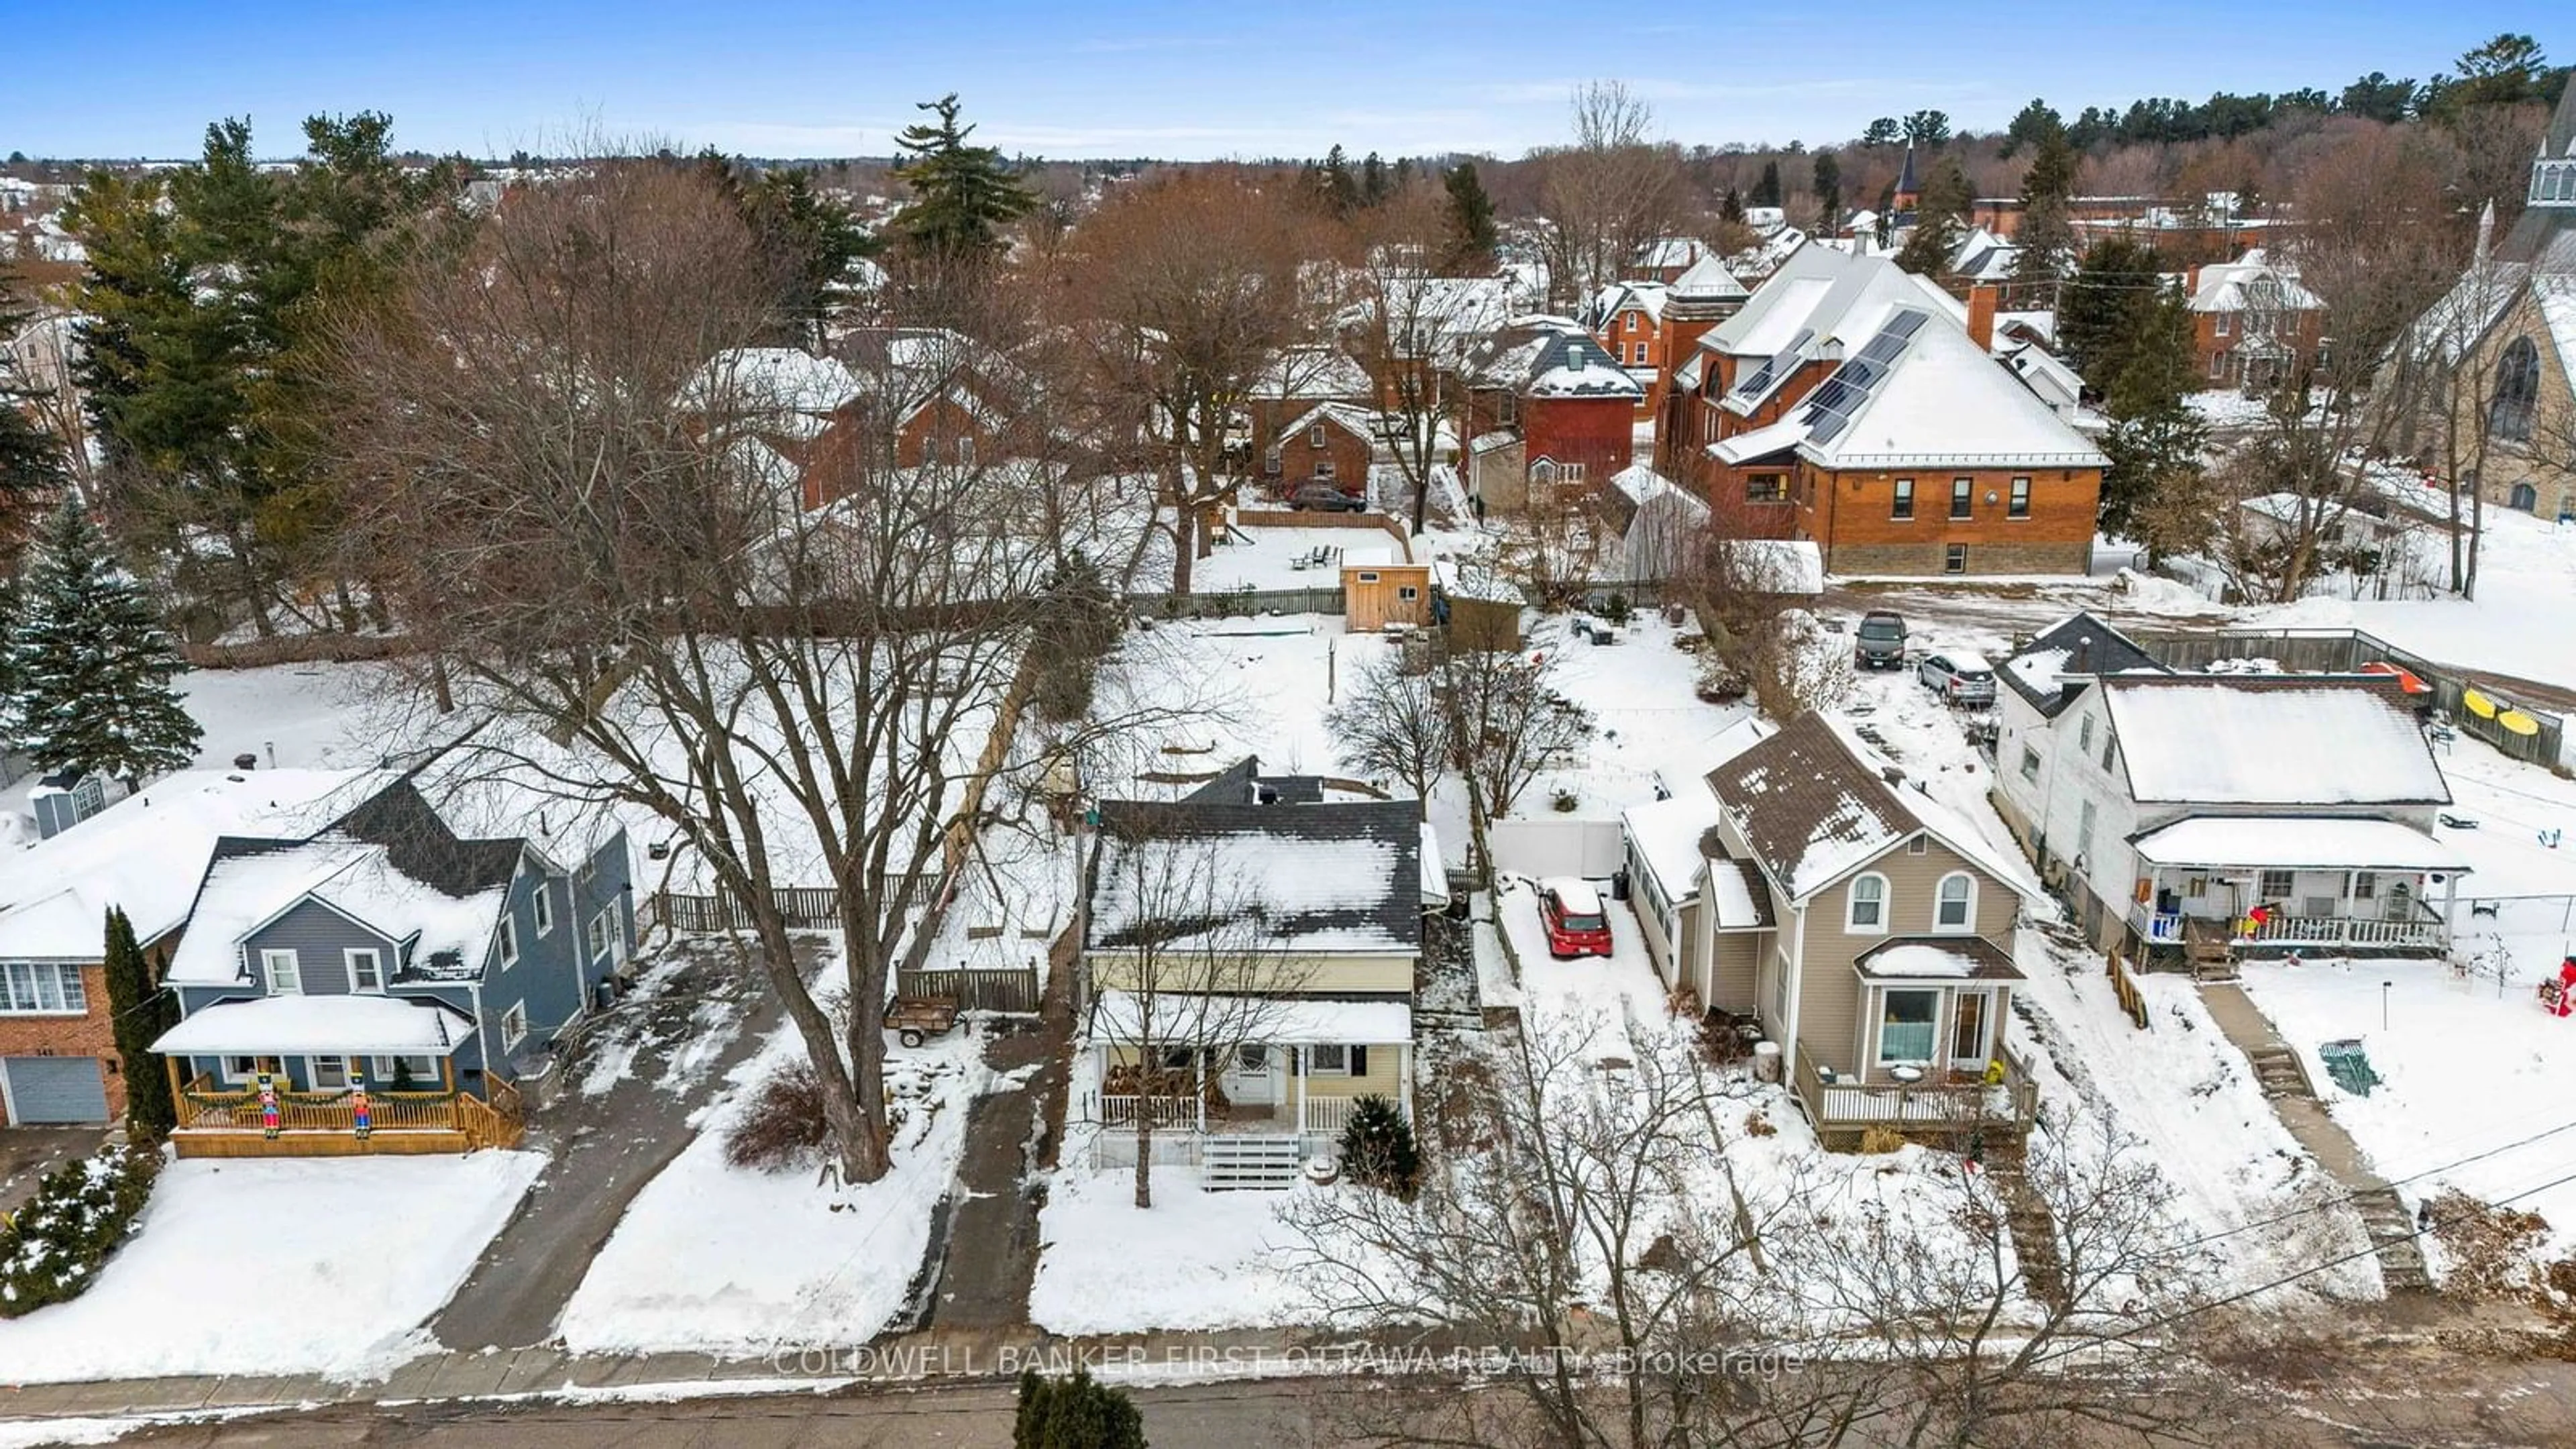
2154, 434
91, 665
1766, 189
1730, 207
2047, 234
1074, 1413
1471, 233
1373, 183
962, 194
1940, 220
141, 1013
1829, 192
1341, 189
2098, 310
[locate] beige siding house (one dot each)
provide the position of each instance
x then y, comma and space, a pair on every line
1868, 931
1248, 965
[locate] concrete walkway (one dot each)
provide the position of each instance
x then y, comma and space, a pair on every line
2401, 1261
605, 1148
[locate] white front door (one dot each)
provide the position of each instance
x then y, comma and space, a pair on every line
1252, 1078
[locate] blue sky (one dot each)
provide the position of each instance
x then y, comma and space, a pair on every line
788, 78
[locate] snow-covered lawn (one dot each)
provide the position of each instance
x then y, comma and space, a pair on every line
2464, 1066
278, 1266
720, 1259
1653, 726
1195, 1259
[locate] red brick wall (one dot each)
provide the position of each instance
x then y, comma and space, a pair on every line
1852, 516
91, 1034
942, 422
1621, 343
1299, 455
1599, 433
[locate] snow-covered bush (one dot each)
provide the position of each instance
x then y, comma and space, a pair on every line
51, 1250
783, 1124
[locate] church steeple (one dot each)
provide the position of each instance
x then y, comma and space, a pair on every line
1908, 190
2545, 236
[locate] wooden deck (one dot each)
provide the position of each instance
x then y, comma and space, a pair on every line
1950, 1113
215, 1121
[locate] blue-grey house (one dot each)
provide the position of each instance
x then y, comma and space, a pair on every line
385, 954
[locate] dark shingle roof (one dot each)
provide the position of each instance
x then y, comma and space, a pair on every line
1802, 795
1352, 871
1237, 784
419, 844
1973, 958
2101, 649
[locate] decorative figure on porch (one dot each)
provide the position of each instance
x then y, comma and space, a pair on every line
1976, 1151
267, 1105
359, 1113
2254, 921
2566, 987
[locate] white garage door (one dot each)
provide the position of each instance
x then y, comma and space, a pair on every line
54, 1089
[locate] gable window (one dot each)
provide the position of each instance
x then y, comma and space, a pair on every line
2222, 323
1315, 436
2275, 885
285, 977
514, 1026
1270, 463
544, 905
509, 942
1954, 902
30, 987
2029, 763
1904, 499
1919, 845
1766, 488
1963, 497
1905, 1024
2019, 505
1954, 559
1867, 909
366, 969
2517, 392
1632, 321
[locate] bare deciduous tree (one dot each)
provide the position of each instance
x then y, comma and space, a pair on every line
1180, 291
1586, 1225
547, 432
1609, 195
1392, 723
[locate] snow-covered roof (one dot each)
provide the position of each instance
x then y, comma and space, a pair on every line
302, 1025
1313, 370
771, 379
2556, 298
2078, 644
1118, 1015
1671, 251
1640, 484
146, 853
1921, 958
1618, 297
1738, 896
1762, 442
2270, 740
2251, 284
1982, 256
1359, 422
1940, 400
2289, 842
1325, 878
1708, 280
1815, 804
1666, 834
354, 877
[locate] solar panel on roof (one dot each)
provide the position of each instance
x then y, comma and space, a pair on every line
1883, 348
1906, 324
1826, 427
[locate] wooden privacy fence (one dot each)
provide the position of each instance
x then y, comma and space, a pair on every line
2125, 988
1238, 603
1008, 988
801, 905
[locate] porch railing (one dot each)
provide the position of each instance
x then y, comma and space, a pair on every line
1845, 1102
1161, 1112
2421, 929
206, 1107
1328, 1115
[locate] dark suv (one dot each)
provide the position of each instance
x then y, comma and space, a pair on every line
1325, 498
1880, 641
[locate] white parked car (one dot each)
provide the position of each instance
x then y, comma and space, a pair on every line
1959, 678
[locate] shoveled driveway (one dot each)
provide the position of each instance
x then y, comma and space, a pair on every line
978, 1273
676, 1045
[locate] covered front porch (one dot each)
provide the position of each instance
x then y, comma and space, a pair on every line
2288, 883
330, 1076
1931, 1058
1294, 1075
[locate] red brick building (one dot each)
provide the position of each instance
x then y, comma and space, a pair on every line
1297, 381
1848, 404
2252, 323
1545, 404
1328, 443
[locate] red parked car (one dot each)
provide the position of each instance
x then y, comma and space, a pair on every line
1577, 925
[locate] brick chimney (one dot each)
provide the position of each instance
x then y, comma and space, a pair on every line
1981, 315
